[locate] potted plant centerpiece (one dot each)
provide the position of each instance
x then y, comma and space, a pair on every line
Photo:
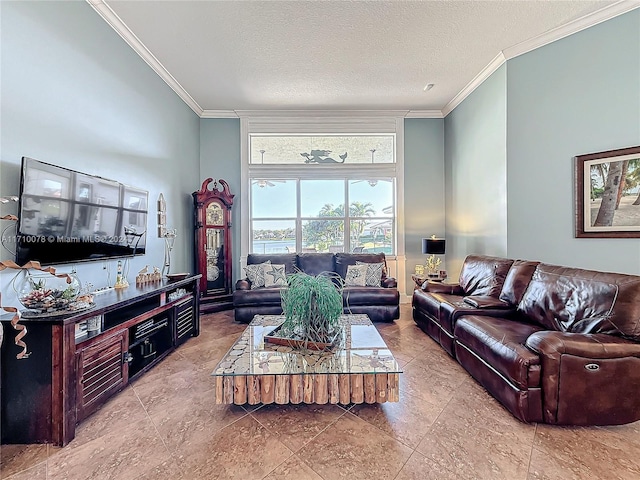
312, 306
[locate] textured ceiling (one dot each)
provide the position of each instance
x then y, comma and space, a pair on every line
266, 55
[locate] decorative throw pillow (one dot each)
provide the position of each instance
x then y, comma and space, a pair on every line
274, 276
356, 276
255, 274
374, 273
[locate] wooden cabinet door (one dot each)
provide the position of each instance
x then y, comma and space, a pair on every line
102, 371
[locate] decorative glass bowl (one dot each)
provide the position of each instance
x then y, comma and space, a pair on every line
46, 293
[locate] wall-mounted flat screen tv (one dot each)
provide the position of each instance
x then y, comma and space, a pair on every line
66, 216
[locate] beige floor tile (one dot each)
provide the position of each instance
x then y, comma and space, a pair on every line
474, 404
626, 433
221, 327
407, 420
469, 450
430, 384
115, 416
170, 469
400, 343
171, 391
38, 472
419, 467
16, 458
588, 451
122, 455
244, 450
208, 351
296, 425
173, 363
354, 449
194, 420
293, 469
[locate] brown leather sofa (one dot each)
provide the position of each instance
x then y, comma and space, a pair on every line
553, 344
381, 304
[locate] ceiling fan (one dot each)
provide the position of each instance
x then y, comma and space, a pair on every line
266, 183
373, 182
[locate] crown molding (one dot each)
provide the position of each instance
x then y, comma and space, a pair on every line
219, 114
424, 114
321, 113
599, 16
475, 83
109, 16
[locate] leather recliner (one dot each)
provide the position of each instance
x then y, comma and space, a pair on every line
562, 348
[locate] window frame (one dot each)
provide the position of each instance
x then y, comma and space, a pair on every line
319, 123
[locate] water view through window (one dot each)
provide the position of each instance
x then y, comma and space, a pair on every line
291, 215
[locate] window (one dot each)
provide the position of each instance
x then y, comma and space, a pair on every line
296, 215
321, 149
320, 185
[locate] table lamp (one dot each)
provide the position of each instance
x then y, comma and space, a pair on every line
433, 246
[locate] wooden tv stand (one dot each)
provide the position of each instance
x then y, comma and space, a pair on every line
69, 374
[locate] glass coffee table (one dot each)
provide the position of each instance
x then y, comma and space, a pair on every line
359, 368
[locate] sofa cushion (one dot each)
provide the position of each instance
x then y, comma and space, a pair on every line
584, 301
356, 276
374, 273
316, 263
255, 274
570, 300
500, 343
343, 260
370, 296
286, 259
430, 303
274, 276
517, 281
484, 275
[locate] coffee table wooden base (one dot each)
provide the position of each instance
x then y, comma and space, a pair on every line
308, 388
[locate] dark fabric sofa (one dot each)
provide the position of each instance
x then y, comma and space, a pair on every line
381, 304
553, 344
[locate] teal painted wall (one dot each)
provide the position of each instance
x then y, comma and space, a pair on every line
73, 93
424, 211
575, 96
220, 159
476, 173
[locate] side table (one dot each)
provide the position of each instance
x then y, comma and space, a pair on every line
419, 279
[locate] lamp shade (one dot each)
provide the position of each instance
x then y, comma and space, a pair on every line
433, 246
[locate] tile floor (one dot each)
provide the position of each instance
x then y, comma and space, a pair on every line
166, 426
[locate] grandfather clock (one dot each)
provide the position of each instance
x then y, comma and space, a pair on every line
213, 244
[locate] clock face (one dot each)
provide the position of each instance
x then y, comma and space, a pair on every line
215, 214
213, 273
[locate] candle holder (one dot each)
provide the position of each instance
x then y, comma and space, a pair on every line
169, 241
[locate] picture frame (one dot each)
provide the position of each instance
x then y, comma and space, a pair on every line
607, 194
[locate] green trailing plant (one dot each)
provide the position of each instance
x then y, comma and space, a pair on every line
312, 306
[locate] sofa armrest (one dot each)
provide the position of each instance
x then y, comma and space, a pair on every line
440, 287
389, 282
552, 344
588, 379
243, 284
485, 301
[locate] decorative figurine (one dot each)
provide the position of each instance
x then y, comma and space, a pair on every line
121, 280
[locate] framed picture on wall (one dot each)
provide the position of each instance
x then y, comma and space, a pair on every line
607, 194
